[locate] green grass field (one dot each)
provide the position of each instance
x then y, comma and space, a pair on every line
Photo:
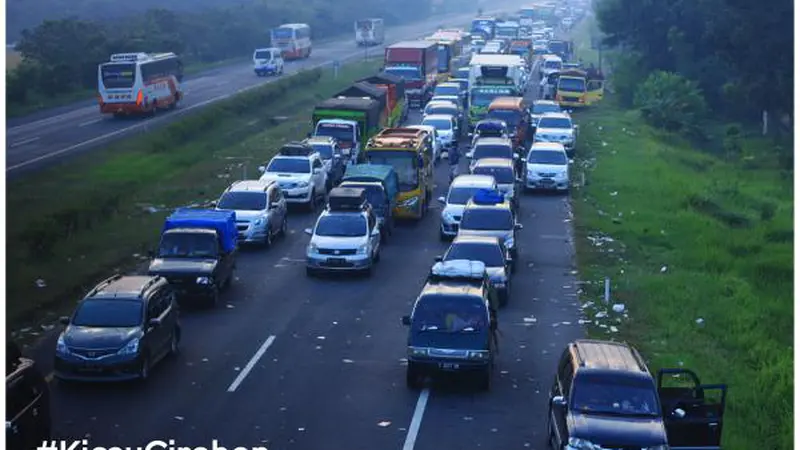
101, 203
695, 237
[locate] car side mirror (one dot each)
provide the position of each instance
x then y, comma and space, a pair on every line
469, 155
274, 205
575, 127
520, 180
64, 320
517, 226
516, 156
309, 231
558, 401
213, 203
375, 233
407, 320
262, 169
317, 170
678, 413
469, 134
509, 261
155, 323
438, 258
442, 200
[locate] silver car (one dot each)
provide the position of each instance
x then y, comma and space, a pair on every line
492, 217
260, 210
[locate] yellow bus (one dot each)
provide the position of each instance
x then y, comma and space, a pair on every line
406, 150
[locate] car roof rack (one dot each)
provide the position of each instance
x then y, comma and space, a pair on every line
458, 270
296, 148
488, 197
347, 199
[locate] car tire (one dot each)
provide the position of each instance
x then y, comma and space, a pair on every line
310, 272
144, 368
378, 256
284, 227
213, 299
443, 237
268, 238
485, 379
174, 342
412, 377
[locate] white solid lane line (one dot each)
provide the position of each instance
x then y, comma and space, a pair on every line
26, 141
250, 364
416, 420
84, 124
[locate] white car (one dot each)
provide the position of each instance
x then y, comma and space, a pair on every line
550, 64
300, 173
461, 191
547, 167
557, 127
267, 61
437, 146
446, 129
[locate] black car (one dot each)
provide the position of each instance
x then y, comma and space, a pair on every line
123, 327
453, 323
27, 401
604, 396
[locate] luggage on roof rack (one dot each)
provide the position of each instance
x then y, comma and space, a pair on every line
488, 197
347, 199
295, 148
458, 269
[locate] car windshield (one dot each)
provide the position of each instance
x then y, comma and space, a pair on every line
188, 245
439, 124
341, 225
263, 54
324, 150
493, 151
509, 116
404, 163
406, 73
101, 313
450, 314
289, 165
503, 175
554, 122
461, 195
440, 109
487, 219
447, 90
541, 108
340, 132
604, 396
243, 201
547, 157
489, 254
571, 85
552, 64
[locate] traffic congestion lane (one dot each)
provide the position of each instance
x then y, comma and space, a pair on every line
35, 143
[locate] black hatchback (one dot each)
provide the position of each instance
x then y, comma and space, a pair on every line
118, 332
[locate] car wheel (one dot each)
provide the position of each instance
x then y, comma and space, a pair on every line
284, 227
144, 368
268, 237
378, 256
174, 347
310, 272
412, 377
213, 299
485, 379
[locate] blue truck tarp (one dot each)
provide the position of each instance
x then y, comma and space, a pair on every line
375, 172
224, 222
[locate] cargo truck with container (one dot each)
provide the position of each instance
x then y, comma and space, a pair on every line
369, 32
396, 103
415, 62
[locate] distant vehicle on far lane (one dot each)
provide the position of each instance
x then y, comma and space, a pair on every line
369, 32
139, 83
294, 40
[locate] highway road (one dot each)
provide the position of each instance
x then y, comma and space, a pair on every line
35, 141
291, 362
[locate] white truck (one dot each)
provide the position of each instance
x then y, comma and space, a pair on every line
369, 32
487, 69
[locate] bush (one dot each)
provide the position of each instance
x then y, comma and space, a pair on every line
670, 102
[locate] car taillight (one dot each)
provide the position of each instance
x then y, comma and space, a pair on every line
139, 98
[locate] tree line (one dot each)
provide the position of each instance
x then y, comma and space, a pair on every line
61, 56
732, 57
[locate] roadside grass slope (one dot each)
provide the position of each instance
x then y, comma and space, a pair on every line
702, 258
80, 221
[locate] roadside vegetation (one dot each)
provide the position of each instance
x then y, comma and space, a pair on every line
96, 214
688, 206
61, 54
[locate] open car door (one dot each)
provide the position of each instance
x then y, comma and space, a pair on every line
692, 411
594, 91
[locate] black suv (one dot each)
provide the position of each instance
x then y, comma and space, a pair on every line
27, 401
604, 396
119, 330
453, 324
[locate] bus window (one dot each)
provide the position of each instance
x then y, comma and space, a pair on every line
117, 76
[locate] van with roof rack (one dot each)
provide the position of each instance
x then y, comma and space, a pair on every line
452, 324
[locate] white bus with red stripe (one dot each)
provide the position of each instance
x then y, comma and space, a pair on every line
294, 40
139, 83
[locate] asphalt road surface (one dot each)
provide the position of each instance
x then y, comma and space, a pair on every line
291, 362
37, 140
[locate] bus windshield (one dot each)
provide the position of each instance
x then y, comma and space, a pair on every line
117, 76
404, 163
484, 97
283, 33
405, 72
571, 85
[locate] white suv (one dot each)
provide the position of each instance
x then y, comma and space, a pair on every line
299, 171
547, 167
260, 210
461, 191
557, 127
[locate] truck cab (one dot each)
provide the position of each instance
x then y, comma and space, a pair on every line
267, 61
197, 253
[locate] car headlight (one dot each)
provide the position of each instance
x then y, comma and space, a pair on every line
582, 444
478, 354
258, 222
509, 243
312, 248
447, 217
562, 174
539, 138
302, 184
417, 351
61, 346
203, 280
362, 250
131, 348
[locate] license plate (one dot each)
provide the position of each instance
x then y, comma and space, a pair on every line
449, 366
336, 261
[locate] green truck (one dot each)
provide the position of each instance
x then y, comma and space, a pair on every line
351, 121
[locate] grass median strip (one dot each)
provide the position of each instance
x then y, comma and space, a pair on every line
699, 248
79, 221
